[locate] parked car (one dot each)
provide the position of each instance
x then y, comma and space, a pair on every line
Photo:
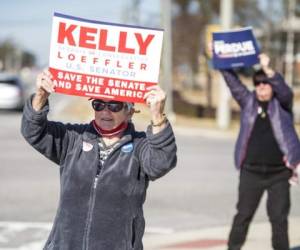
11, 92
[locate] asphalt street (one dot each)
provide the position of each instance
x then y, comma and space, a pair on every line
198, 194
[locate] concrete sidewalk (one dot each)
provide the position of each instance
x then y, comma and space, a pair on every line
259, 238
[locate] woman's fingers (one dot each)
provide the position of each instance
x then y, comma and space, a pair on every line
155, 95
155, 100
45, 82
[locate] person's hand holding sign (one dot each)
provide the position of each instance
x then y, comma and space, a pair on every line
155, 99
44, 87
265, 64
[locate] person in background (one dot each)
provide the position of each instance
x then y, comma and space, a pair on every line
105, 167
267, 152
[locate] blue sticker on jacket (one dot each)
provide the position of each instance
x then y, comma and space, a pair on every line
127, 148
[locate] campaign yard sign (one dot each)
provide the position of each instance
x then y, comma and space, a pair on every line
103, 60
235, 48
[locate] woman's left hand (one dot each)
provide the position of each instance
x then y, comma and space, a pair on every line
155, 99
264, 60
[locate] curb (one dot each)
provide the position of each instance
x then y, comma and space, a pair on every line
259, 238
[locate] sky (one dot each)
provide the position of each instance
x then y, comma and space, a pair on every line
28, 23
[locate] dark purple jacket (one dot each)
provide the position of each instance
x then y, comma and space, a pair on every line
280, 113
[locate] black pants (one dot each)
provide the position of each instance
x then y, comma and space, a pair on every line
251, 188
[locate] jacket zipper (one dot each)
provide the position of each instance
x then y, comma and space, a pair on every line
92, 204
90, 212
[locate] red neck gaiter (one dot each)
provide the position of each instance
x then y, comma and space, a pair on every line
110, 133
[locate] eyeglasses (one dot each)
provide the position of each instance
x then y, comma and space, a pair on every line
113, 106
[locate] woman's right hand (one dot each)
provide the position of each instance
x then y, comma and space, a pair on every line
44, 87
44, 82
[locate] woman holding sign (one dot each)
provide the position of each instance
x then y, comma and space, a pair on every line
267, 152
105, 167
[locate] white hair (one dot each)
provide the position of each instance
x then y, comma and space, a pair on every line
129, 105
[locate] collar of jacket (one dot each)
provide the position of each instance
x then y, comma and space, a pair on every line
92, 135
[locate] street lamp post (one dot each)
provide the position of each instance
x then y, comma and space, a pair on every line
223, 110
289, 59
167, 57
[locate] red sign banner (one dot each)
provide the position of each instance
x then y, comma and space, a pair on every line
103, 60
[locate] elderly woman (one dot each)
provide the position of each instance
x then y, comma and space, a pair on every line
105, 167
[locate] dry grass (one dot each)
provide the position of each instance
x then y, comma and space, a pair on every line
81, 110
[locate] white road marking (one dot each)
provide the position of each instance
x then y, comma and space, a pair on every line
159, 230
10, 229
15, 225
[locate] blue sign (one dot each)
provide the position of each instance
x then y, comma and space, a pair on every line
235, 48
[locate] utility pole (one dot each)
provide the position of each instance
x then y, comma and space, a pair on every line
223, 110
166, 79
289, 58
